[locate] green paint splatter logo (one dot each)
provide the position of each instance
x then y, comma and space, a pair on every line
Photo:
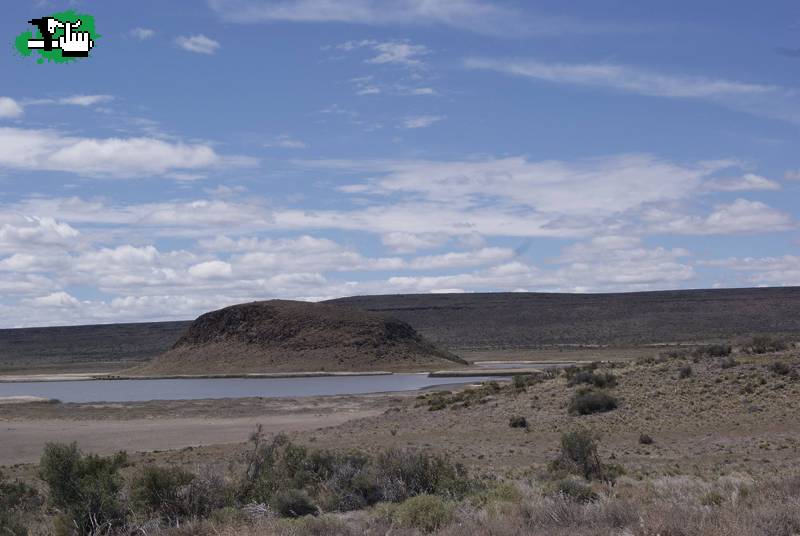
59, 38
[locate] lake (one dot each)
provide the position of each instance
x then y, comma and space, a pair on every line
196, 389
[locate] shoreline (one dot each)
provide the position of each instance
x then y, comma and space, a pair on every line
537, 367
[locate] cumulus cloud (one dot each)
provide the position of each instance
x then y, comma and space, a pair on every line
9, 108
50, 150
774, 271
59, 299
27, 232
199, 44
740, 217
211, 270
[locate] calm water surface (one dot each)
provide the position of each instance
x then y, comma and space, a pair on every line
194, 389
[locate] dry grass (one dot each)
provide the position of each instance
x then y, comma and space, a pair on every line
671, 506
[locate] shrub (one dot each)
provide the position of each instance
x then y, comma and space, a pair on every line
345, 481
602, 381
779, 368
400, 475
712, 350
685, 372
16, 499
764, 344
728, 362
162, 491
517, 421
84, 488
294, 503
645, 439
579, 456
575, 490
712, 498
426, 513
521, 382
588, 401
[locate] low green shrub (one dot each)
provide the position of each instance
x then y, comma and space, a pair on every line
518, 421
579, 456
521, 382
575, 490
712, 350
161, 491
16, 500
426, 513
600, 380
85, 489
588, 401
345, 481
294, 503
685, 372
779, 368
646, 439
765, 344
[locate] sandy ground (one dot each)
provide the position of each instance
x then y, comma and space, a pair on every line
158, 425
23, 441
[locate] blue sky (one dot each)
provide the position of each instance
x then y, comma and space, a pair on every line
218, 151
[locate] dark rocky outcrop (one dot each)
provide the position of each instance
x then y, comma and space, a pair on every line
292, 336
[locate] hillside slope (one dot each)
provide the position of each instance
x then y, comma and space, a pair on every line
292, 336
527, 320
465, 321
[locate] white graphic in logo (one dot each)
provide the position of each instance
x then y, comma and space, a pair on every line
72, 44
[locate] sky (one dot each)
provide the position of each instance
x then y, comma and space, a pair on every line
212, 152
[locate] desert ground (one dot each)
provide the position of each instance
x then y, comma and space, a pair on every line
693, 437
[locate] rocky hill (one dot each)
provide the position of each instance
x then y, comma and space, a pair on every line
291, 336
530, 320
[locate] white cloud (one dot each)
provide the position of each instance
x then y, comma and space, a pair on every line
25, 233
211, 270
198, 43
621, 77
773, 271
747, 182
475, 15
410, 242
480, 16
390, 52
72, 100
143, 34
423, 91
85, 100
285, 141
740, 217
490, 255
757, 99
607, 185
56, 299
50, 150
9, 108
422, 121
